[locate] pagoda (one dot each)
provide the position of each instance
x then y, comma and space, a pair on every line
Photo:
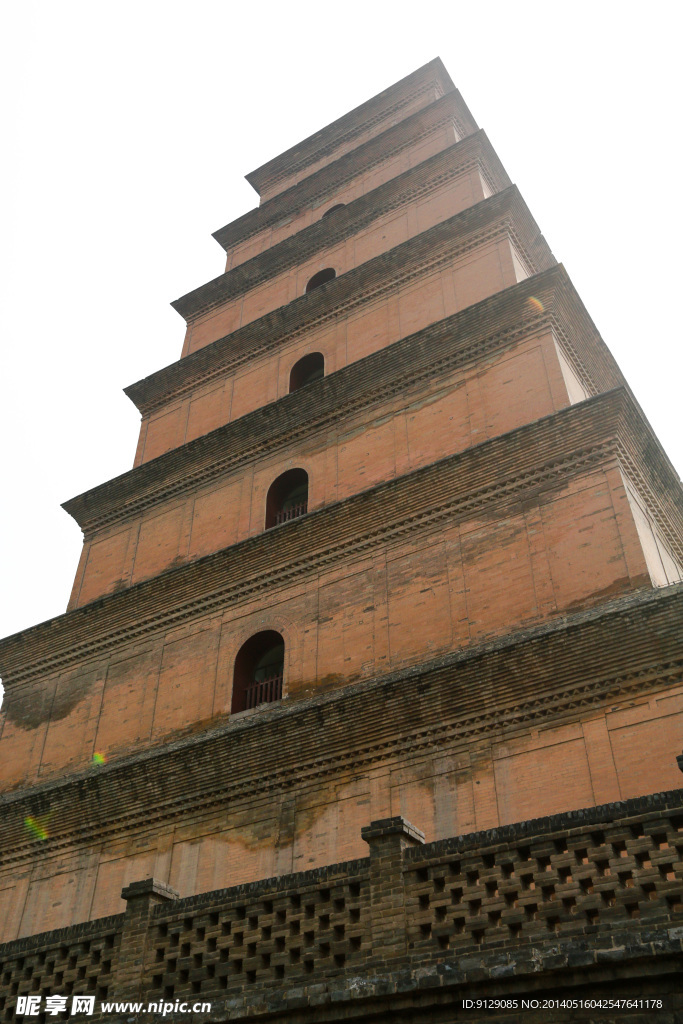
398, 559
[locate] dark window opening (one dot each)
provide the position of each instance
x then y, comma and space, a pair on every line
287, 497
259, 669
322, 277
308, 369
333, 209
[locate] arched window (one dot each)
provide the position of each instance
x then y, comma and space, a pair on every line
259, 668
333, 209
322, 277
308, 369
287, 497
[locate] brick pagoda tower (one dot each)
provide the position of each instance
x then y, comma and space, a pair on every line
398, 547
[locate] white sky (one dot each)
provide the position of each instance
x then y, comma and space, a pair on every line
128, 130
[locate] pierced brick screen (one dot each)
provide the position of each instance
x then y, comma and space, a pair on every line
77, 960
603, 885
259, 933
565, 885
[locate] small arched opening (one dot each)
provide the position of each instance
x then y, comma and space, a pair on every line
333, 209
259, 668
287, 497
306, 370
322, 277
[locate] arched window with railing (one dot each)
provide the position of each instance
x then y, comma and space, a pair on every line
322, 277
259, 670
287, 497
306, 370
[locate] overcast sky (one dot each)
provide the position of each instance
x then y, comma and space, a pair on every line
127, 132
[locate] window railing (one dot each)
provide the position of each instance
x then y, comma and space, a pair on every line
291, 513
264, 692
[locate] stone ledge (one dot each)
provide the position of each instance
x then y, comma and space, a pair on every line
396, 826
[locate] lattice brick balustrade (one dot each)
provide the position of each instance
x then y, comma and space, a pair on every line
606, 880
79, 959
297, 926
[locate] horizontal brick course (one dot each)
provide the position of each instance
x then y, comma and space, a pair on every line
210, 313
361, 214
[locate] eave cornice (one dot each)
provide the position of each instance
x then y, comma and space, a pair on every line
473, 152
314, 190
504, 213
532, 678
350, 125
489, 476
465, 337
298, 248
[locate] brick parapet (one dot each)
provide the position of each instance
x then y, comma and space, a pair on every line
83, 957
142, 899
370, 723
61, 937
596, 891
388, 839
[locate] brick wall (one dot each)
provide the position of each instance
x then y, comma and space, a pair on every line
408, 600
366, 195
552, 719
486, 553
467, 336
382, 156
411, 428
475, 272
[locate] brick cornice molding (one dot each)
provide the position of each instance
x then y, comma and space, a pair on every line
351, 125
462, 339
322, 185
314, 192
414, 184
504, 215
449, 239
531, 678
492, 475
